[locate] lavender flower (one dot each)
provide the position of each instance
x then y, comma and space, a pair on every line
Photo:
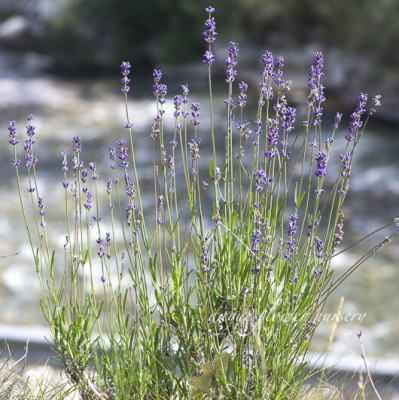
317, 114
329, 141
101, 252
64, 161
30, 130
125, 80
292, 227
291, 230
229, 104
171, 166
321, 159
184, 91
84, 175
30, 160
112, 157
319, 247
267, 62
77, 144
194, 150
242, 97
209, 58
345, 165
261, 179
312, 226
195, 107
157, 75
92, 166
272, 135
130, 187
177, 100
123, 156
109, 185
278, 74
160, 203
315, 70
13, 133
231, 63
204, 259
288, 118
160, 90
41, 206
337, 120
355, 122
255, 241
87, 205
210, 26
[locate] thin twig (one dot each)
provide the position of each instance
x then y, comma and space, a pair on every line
365, 363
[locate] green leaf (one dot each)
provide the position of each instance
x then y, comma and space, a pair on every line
202, 384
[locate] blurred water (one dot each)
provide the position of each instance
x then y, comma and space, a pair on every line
95, 111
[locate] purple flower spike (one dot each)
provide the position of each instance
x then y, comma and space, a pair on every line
125, 80
195, 107
204, 259
321, 159
29, 118
157, 75
337, 120
288, 118
160, 202
345, 166
209, 58
355, 122
267, 62
242, 97
279, 73
30, 130
41, 206
13, 133
87, 205
209, 32
210, 10
64, 161
256, 234
315, 70
77, 144
231, 63
184, 91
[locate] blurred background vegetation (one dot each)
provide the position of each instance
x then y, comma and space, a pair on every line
89, 38
93, 34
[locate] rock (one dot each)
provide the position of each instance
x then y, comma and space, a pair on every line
14, 28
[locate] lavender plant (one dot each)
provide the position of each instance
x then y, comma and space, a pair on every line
220, 301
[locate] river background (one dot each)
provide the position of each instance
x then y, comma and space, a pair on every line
93, 108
